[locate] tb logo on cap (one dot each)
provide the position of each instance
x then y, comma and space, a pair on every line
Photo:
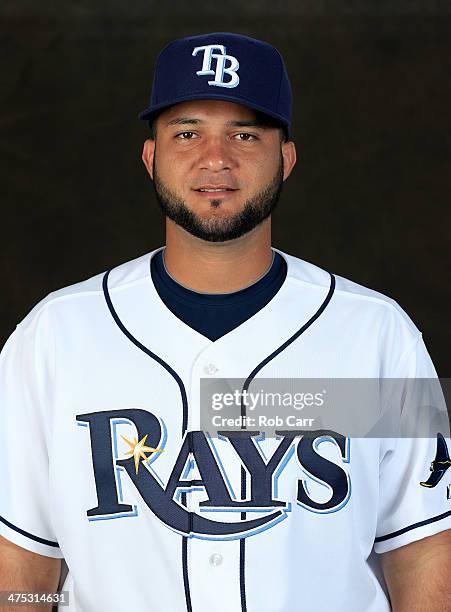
221, 68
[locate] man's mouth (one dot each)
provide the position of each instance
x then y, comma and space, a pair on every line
214, 189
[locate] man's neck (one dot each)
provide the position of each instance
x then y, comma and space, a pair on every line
215, 267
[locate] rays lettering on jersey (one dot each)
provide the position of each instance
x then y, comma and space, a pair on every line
163, 499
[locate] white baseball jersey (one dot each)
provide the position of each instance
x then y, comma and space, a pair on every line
103, 462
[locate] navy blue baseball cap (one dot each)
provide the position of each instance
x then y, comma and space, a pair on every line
222, 66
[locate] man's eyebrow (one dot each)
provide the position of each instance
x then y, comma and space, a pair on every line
247, 123
184, 121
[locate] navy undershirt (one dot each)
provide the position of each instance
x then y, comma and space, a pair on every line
215, 314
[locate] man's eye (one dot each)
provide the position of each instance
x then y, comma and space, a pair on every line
245, 137
185, 135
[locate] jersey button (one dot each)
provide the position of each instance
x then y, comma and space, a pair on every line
210, 369
215, 559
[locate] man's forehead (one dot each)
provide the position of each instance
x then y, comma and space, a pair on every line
207, 111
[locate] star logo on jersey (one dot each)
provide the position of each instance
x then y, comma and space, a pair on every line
138, 449
440, 464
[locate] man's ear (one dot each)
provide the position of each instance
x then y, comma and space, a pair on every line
148, 154
289, 158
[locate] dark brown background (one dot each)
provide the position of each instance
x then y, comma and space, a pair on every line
369, 198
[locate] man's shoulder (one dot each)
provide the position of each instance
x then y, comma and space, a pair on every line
347, 294
90, 289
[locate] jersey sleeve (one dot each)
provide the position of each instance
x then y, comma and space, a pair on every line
25, 370
415, 471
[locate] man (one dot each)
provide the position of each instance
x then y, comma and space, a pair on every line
105, 462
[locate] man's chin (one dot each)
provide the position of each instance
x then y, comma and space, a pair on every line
211, 230
216, 225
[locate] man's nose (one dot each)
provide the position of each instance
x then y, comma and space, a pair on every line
215, 155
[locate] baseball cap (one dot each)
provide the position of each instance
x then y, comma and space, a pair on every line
222, 66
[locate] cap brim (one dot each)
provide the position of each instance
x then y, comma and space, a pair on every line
151, 112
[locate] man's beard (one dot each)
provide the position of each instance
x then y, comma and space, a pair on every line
220, 229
